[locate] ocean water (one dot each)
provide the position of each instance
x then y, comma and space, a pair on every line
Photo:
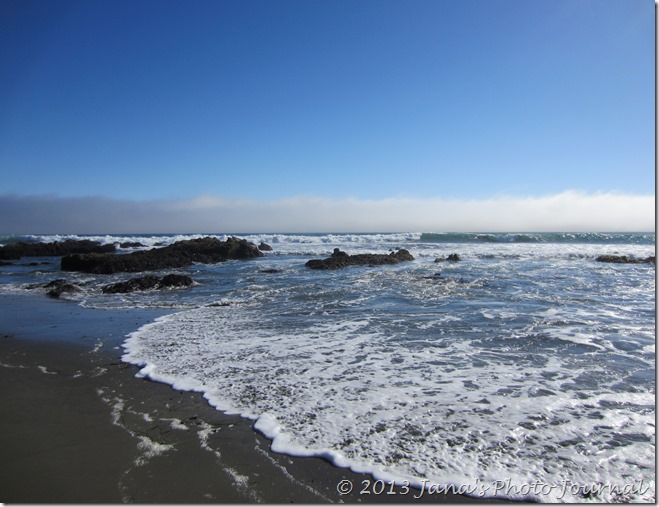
524, 371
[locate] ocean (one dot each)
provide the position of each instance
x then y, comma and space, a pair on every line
524, 371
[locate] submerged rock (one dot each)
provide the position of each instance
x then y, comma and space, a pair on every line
148, 282
452, 258
56, 248
435, 276
340, 259
58, 287
623, 259
180, 254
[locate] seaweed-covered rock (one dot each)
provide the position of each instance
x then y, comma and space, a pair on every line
180, 254
56, 248
340, 259
623, 259
148, 282
58, 287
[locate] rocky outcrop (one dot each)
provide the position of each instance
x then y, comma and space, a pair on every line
340, 259
623, 259
56, 248
180, 254
131, 244
107, 264
58, 287
148, 282
210, 250
451, 258
264, 247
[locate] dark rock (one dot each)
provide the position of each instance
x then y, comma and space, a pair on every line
110, 263
338, 254
210, 250
56, 248
180, 254
272, 270
146, 283
264, 247
53, 283
340, 259
58, 287
619, 259
134, 284
452, 258
174, 280
130, 244
623, 259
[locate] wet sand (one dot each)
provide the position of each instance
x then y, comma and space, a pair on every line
77, 426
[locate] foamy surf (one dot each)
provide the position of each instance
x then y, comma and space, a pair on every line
524, 371
495, 385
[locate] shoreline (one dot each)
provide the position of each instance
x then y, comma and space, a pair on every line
77, 426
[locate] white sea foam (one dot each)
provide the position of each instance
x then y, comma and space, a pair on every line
240, 481
512, 368
290, 477
342, 390
5, 365
176, 424
46, 371
150, 449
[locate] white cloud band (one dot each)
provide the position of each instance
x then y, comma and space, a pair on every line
566, 211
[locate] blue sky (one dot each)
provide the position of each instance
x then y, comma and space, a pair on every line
253, 101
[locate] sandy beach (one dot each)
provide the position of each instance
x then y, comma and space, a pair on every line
77, 426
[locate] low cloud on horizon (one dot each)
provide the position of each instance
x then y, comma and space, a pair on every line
569, 211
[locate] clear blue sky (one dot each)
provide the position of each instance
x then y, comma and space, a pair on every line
366, 99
